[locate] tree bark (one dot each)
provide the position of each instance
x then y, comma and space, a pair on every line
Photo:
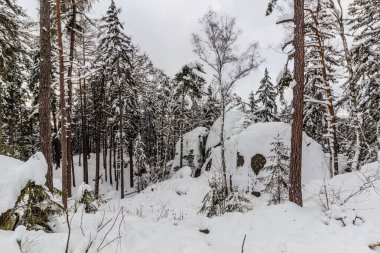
45, 92
295, 191
63, 107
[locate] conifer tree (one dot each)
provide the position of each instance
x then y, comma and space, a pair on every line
189, 85
365, 24
277, 180
267, 99
140, 165
116, 72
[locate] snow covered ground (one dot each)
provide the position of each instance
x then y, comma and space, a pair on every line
340, 215
164, 218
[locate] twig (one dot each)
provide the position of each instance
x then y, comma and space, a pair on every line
242, 246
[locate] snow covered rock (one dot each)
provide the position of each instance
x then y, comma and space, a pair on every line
248, 152
235, 123
193, 149
15, 175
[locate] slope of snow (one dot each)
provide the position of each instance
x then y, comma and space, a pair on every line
164, 219
16, 174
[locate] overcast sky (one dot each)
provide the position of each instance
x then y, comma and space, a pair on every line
163, 28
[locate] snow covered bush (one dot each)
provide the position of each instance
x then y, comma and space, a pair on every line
218, 201
35, 208
88, 198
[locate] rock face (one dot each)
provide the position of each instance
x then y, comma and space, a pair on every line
248, 150
193, 149
258, 163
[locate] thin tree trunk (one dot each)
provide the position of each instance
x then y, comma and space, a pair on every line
181, 133
45, 92
222, 145
97, 158
83, 91
295, 192
63, 107
70, 169
105, 154
110, 155
130, 150
121, 144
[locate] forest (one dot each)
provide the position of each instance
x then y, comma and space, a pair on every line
102, 150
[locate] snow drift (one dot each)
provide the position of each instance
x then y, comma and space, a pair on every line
16, 174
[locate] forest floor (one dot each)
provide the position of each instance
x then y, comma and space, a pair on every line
165, 218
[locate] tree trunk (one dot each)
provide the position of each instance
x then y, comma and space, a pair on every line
70, 169
181, 133
97, 158
295, 192
45, 92
83, 100
110, 155
121, 155
130, 150
223, 151
105, 153
331, 117
63, 107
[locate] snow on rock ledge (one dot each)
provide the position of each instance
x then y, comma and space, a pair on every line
15, 175
255, 141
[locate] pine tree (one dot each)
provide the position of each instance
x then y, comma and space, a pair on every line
267, 99
140, 164
252, 103
365, 23
277, 180
116, 72
321, 59
210, 108
189, 85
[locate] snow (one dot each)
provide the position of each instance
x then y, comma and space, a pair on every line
165, 218
235, 122
191, 141
16, 174
257, 139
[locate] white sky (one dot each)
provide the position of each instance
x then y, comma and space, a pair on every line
163, 28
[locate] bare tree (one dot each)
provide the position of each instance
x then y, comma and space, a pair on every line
217, 48
44, 96
295, 193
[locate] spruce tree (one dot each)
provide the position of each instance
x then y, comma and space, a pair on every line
277, 180
116, 75
365, 24
266, 94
